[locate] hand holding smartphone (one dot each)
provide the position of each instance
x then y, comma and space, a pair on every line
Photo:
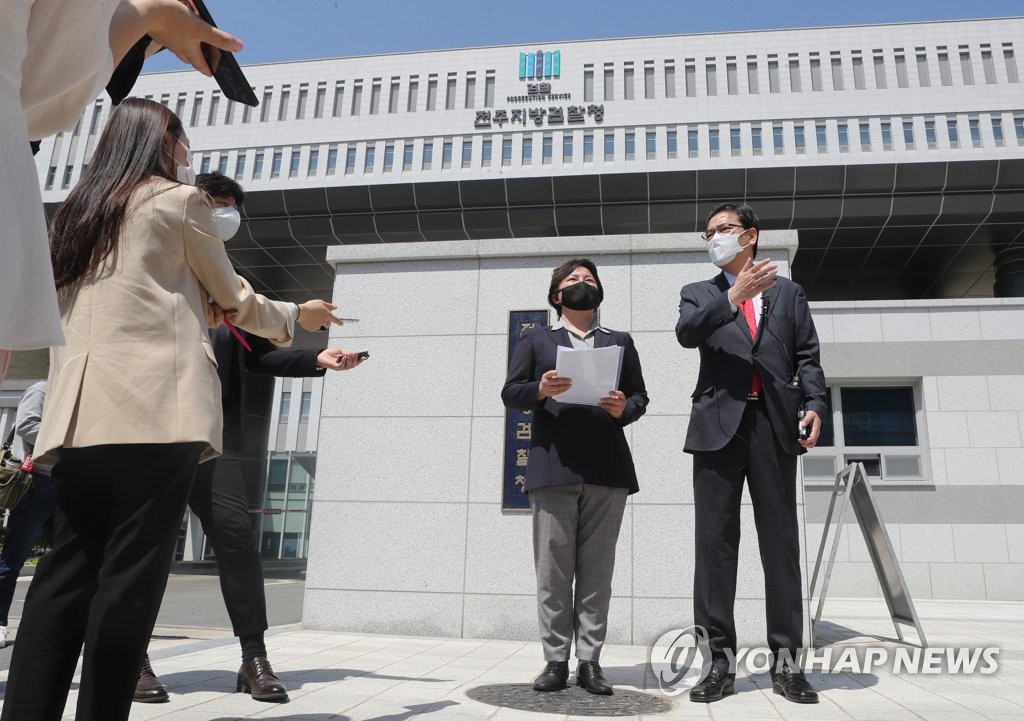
225, 68
803, 432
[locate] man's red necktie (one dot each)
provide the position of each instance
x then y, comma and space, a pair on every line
747, 308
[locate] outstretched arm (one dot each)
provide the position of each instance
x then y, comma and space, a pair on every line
268, 359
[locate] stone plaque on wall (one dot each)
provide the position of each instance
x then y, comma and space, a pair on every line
518, 424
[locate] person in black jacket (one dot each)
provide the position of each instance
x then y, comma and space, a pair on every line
578, 474
758, 404
218, 495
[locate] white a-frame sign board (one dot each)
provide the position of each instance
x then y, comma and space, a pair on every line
852, 488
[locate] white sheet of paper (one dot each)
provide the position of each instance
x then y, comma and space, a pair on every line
594, 373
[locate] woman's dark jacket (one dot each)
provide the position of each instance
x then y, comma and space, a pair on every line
574, 444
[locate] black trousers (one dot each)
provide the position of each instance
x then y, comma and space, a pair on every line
219, 500
754, 454
117, 522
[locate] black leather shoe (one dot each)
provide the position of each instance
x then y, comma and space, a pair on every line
590, 678
553, 677
717, 684
257, 679
794, 686
148, 688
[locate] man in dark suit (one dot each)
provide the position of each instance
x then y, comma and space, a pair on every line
219, 497
759, 371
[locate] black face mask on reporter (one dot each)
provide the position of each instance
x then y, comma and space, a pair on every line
581, 296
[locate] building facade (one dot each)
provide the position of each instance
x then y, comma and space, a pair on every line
430, 194
865, 139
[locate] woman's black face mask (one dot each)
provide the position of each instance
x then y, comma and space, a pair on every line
581, 296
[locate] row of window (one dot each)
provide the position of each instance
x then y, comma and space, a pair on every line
864, 132
892, 69
778, 138
333, 101
829, 135
792, 72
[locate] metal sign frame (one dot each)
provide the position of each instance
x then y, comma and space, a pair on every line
852, 486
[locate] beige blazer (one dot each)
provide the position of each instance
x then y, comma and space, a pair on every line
138, 366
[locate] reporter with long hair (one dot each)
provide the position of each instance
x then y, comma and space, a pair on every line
133, 406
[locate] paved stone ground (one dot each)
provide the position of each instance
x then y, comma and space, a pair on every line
357, 677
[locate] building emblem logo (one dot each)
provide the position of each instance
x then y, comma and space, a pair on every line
540, 64
538, 69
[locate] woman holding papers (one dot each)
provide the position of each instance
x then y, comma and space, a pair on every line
578, 474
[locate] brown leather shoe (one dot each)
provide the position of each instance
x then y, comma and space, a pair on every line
148, 688
257, 678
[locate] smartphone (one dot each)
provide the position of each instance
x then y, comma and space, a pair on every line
225, 68
363, 354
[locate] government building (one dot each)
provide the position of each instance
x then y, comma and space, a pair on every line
430, 194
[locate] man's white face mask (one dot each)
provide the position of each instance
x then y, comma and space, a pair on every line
723, 248
228, 220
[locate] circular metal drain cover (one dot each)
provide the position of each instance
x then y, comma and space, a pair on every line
572, 700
